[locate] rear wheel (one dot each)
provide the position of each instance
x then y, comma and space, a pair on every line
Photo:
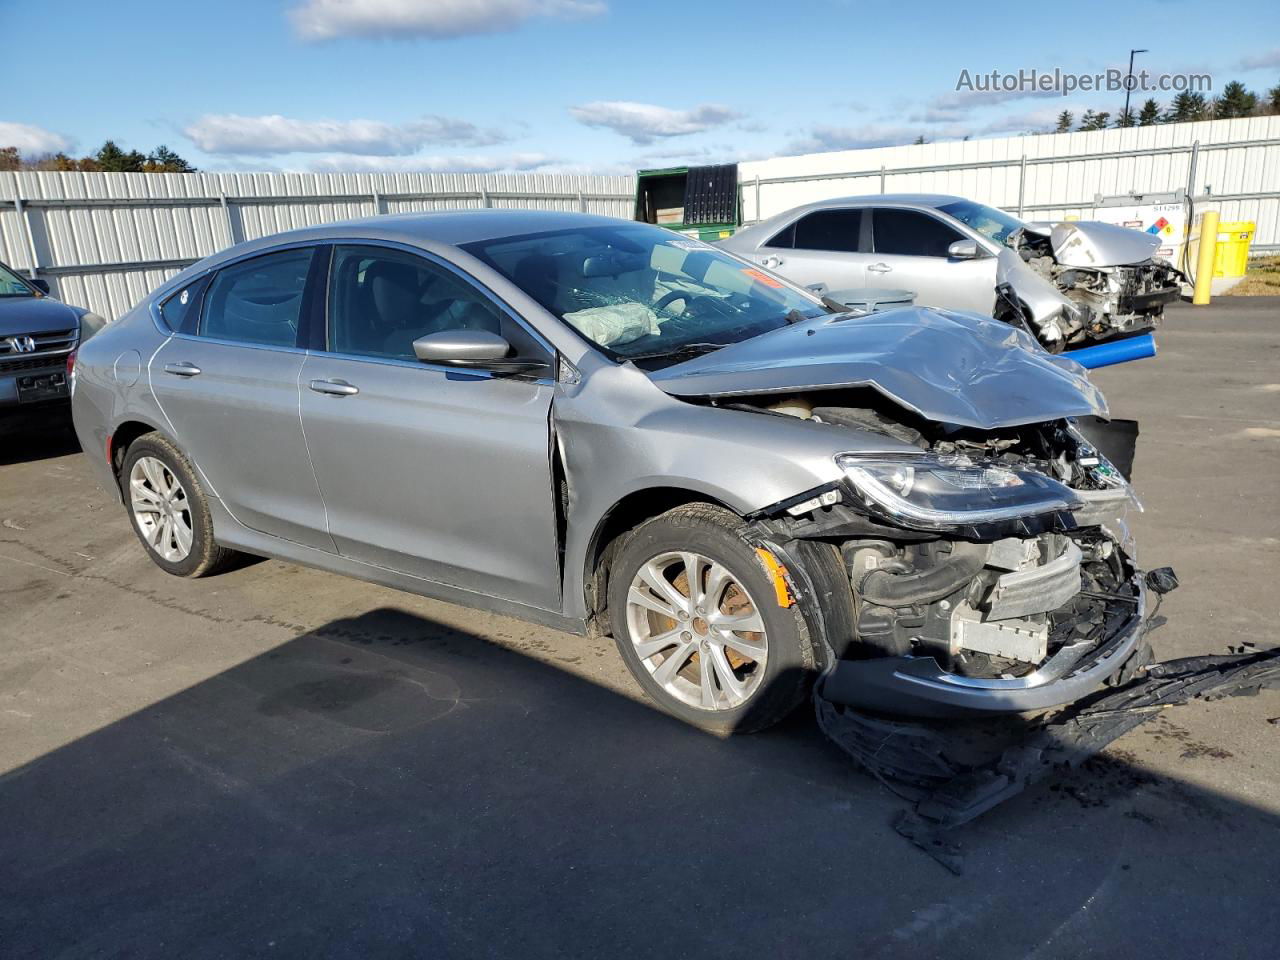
697, 619
168, 509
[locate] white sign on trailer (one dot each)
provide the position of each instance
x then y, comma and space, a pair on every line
1168, 221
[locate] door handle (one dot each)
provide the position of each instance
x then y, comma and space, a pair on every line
334, 388
182, 369
771, 262
879, 268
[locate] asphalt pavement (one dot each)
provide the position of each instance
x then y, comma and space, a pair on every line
282, 762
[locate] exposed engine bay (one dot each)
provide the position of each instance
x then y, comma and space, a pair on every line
1002, 600
1112, 294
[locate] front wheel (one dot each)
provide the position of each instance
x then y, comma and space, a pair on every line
698, 620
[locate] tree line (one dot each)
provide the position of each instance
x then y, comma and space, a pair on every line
109, 158
1236, 100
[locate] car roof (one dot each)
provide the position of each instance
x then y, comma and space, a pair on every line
918, 199
447, 228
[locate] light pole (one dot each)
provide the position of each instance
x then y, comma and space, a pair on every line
1128, 82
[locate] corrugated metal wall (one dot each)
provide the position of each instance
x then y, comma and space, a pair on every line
104, 240
1231, 165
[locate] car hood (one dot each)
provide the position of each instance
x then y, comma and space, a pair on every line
950, 367
35, 315
1093, 244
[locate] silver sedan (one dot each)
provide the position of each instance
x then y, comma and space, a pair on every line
1068, 283
604, 426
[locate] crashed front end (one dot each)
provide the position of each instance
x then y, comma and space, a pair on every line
1112, 281
975, 511
991, 573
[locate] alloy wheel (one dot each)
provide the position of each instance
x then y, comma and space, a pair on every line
161, 509
697, 630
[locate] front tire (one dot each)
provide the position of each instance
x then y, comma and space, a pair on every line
169, 510
696, 618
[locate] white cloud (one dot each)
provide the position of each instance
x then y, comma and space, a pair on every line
32, 140
1033, 121
1261, 61
348, 163
957, 103
644, 123
823, 138
318, 20
274, 134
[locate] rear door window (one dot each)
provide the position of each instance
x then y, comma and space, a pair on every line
258, 301
831, 230
911, 233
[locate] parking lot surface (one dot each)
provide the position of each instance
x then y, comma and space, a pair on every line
282, 762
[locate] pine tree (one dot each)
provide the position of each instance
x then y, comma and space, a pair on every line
1149, 114
114, 160
1126, 118
1236, 101
1065, 120
1187, 106
164, 160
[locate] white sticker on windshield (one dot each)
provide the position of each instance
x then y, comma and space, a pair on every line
689, 244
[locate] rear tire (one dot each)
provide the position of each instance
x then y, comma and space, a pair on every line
696, 618
169, 510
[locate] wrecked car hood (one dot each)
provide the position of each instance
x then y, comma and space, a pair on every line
1093, 244
950, 367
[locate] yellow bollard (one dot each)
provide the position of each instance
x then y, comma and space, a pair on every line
1204, 258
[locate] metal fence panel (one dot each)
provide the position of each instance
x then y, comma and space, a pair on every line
104, 240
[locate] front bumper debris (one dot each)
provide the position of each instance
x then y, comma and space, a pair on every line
916, 759
918, 686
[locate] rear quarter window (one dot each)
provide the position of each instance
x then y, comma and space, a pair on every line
181, 310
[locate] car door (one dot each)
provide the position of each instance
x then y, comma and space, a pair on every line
822, 249
435, 471
910, 253
227, 381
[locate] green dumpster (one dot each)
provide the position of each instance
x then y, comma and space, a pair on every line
700, 202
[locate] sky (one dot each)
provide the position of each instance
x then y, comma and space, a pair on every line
603, 86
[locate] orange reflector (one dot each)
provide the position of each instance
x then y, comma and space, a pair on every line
778, 574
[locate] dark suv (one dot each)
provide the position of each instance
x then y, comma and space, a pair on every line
38, 340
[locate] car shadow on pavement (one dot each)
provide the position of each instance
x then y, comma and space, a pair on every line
37, 434
386, 785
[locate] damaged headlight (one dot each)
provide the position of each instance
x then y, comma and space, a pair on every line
941, 492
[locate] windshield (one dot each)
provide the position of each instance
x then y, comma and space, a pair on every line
991, 223
644, 293
12, 285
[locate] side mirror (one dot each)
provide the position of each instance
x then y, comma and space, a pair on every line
41, 284
472, 348
964, 250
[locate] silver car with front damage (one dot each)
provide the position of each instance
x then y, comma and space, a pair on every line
1069, 284
604, 426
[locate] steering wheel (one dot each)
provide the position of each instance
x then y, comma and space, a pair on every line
689, 299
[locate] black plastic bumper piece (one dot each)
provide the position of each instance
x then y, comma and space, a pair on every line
919, 687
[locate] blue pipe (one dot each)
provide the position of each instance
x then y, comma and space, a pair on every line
1118, 351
